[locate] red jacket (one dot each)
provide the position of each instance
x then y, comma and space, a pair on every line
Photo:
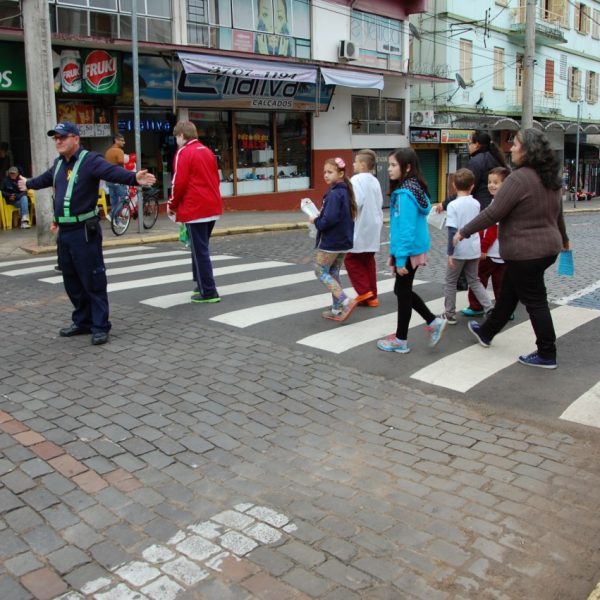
195, 190
488, 238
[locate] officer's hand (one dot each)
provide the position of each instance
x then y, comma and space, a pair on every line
145, 178
22, 183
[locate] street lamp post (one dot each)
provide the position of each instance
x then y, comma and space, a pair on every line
577, 154
136, 107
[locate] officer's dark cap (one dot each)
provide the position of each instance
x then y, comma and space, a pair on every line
64, 128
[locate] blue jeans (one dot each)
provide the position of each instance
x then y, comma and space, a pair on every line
116, 192
22, 201
201, 263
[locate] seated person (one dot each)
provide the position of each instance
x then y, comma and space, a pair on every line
12, 195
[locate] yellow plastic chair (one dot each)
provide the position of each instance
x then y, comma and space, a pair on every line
102, 202
8, 211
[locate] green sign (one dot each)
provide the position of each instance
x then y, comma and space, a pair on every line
12, 67
101, 72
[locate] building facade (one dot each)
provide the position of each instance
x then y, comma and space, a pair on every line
481, 47
274, 86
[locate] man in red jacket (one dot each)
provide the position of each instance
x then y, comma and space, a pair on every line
196, 201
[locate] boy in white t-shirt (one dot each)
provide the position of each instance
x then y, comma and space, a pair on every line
360, 260
464, 257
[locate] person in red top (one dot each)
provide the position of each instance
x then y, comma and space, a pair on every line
490, 263
196, 201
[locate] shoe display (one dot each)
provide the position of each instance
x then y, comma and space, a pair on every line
436, 330
535, 360
99, 337
200, 299
72, 330
474, 328
393, 344
471, 312
450, 318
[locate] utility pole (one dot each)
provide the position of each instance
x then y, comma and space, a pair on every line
528, 65
42, 105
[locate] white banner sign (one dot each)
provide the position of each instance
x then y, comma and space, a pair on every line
245, 68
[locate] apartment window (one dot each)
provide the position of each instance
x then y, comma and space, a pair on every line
549, 78
555, 11
466, 60
272, 27
591, 87
376, 34
582, 18
374, 115
574, 83
596, 24
499, 68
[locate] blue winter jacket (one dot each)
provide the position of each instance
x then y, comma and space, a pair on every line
409, 233
334, 225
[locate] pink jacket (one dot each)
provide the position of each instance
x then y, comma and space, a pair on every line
195, 190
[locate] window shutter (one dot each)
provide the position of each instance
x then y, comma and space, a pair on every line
549, 77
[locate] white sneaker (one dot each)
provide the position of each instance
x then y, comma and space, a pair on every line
25, 224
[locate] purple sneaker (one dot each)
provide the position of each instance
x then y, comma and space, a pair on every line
535, 360
475, 329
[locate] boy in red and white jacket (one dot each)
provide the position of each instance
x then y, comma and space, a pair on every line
490, 263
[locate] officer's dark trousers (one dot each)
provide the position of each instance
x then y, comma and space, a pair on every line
84, 275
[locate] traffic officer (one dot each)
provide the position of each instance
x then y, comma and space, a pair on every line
75, 176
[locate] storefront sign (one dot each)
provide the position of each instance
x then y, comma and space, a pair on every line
92, 121
145, 125
222, 91
89, 72
12, 68
424, 136
456, 136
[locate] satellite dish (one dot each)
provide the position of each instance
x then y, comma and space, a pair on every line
414, 31
461, 82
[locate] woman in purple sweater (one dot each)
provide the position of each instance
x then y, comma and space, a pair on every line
532, 232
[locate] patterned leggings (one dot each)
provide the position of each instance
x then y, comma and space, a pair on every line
327, 270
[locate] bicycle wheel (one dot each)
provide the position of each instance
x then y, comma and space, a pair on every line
122, 218
150, 212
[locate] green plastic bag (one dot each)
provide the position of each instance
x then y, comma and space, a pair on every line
184, 236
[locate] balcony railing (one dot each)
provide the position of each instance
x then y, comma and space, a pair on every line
543, 102
547, 23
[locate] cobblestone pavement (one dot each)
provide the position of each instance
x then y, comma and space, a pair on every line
197, 463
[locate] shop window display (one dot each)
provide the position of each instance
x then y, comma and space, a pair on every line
293, 146
255, 170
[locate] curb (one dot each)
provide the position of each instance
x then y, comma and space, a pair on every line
174, 237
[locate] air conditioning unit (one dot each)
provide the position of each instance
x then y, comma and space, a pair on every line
422, 117
348, 50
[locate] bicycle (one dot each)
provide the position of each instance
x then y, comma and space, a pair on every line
127, 209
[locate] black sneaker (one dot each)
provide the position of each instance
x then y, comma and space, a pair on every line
99, 337
450, 318
475, 329
72, 330
200, 299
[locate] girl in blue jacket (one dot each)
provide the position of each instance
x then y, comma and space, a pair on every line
409, 244
335, 235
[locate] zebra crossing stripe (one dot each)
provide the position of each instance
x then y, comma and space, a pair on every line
178, 277
579, 294
467, 368
108, 261
147, 267
586, 409
349, 336
170, 300
275, 310
52, 259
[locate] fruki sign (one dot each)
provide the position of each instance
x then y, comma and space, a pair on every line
101, 73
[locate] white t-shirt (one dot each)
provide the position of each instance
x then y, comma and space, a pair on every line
460, 212
368, 224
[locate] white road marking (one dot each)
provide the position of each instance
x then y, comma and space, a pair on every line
246, 317
52, 259
467, 368
583, 292
178, 277
170, 300
586, 409
349, 336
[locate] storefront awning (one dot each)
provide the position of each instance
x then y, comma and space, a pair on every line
246, 68
353, 79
